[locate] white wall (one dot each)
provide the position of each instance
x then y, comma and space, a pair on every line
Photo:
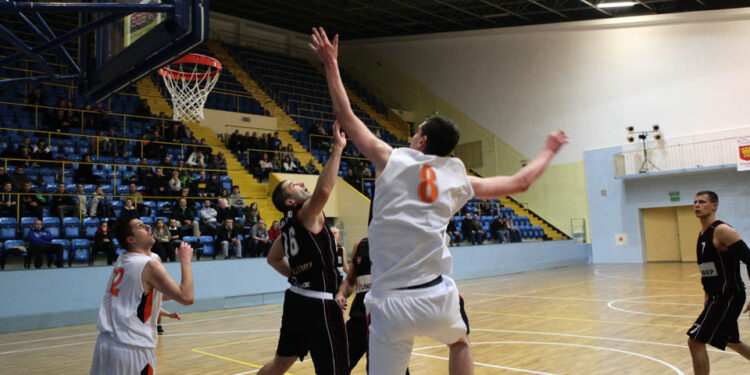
688, 72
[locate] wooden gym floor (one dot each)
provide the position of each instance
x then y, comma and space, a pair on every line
602, 319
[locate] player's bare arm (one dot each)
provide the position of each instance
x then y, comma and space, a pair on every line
156, 276
366, 142
726, 238
277, 260
500, 186
347, 287
311, 211
173, 315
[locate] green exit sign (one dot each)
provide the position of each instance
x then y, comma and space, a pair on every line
674, 196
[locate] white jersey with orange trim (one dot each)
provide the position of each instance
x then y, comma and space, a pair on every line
415, 197
129, 314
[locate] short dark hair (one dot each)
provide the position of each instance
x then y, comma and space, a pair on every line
279, 196
122, 231
713, 197
442, 135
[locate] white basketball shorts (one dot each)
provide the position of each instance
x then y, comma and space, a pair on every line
113, 358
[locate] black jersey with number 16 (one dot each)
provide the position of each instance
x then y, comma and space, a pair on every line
311, 255
720, 270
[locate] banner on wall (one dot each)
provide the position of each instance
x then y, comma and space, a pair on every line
743, 154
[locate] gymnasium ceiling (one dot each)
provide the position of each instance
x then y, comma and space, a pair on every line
360, 19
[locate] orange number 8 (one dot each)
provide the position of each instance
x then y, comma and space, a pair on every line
428, 181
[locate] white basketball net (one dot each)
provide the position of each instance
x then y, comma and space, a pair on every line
189, 89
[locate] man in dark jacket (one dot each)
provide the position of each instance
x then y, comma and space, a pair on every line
40, 242
229, 236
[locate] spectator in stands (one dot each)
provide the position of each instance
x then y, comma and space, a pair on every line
137, 199
85, 172
275, 141
159, 184
31, 205
218, 162
263, 143
265, 166
62, 204
467, 229
4, 176
128, 210
8, 201
515, 233
321, 141
499, 229
453, 233
154, 149
200, 186
214, 186
208, 217
353, 180
143, 109
25, 151
90, 206
73, 116
259, 237
166, 163
61, 124
115, 147
175, 185
366, 172
234, 143
163, 238
253, 142
175, 133
238, 204
288, 166
42, 151
223, 212
177, 232
205, 148
252, 216
101, 120
196, 160
275, 162
289, 151
143, 174
36, 98
310, 167
88, 117
229, 236
274, 232
185, 216
19, 178
480, 233
40, 243
103, 242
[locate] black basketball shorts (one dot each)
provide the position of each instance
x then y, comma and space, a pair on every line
717, 323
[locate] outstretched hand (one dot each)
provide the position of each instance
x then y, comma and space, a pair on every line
555, 140
184, 253
341, 300
327, 52
339, 138
174, 315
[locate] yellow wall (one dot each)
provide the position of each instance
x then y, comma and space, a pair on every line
217, 121
557, 197
346, 204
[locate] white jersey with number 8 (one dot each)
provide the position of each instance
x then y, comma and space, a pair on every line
127, 313
415, 196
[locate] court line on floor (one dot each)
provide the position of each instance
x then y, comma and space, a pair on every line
598, 272
514, 276
576, 319
254, 365
166, 325
611, 305
667, 364
470, 302
486, 364
593, 337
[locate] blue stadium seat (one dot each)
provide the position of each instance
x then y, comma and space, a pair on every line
207, 247
81, 249
8, 227
148, 220
66, 248
53, 225
90, 225
26, 223
11, 248
71, 227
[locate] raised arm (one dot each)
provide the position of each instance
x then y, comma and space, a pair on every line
499, 186
156, 276
366, 142
327, 180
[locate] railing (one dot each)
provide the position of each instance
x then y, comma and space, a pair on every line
675, 157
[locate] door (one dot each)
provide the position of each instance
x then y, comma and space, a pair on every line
660, 231
688, 227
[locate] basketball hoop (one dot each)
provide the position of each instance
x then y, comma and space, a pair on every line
189, 79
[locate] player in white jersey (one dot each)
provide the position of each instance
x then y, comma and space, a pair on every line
418, 190
132, 302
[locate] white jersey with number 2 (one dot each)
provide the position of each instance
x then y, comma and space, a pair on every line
128, 313
415, 196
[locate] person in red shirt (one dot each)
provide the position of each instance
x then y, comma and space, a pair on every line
274, 232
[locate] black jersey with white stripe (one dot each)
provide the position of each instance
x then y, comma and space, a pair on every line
720, 270
312, 256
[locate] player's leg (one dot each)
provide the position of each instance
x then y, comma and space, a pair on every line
291, 344
700, 356
387, 355
356, 333
741, 348
327, 339
460, 360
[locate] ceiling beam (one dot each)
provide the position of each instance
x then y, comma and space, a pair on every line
506, 10
430, 13
396, 14
600, 10
449, 5
555, 11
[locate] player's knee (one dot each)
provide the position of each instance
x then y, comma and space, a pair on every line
694, 344
463, 341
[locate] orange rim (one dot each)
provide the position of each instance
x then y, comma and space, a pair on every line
192, 58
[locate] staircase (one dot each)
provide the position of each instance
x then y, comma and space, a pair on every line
401, 133
249, 186
533, 218
284, 122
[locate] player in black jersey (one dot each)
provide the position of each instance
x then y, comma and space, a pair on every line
305, 253
341, 264
357, 280
719, 251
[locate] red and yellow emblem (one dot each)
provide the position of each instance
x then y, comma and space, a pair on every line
745, 153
